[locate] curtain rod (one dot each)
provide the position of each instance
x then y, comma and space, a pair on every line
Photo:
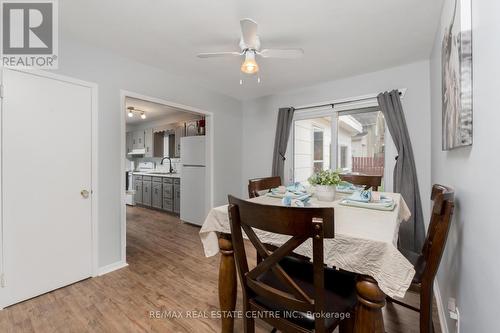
339, 103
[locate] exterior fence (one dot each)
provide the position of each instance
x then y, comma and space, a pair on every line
368, 165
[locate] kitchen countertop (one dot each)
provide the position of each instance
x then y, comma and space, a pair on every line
152, 174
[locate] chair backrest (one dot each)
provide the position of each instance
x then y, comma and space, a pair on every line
261, 184
301, 224
368, 181
437, 232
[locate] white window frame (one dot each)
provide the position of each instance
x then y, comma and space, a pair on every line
347, 105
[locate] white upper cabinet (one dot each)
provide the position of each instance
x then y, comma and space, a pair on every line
148, 142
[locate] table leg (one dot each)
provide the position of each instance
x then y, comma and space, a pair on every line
371, 300
227, 282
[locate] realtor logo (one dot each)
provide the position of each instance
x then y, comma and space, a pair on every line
29, 33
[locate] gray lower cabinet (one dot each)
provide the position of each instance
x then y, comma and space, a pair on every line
138, 191
168, 204
158, 192
146, 192
138, 188
177, 195
157, 196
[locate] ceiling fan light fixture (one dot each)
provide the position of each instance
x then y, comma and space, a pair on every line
250, 66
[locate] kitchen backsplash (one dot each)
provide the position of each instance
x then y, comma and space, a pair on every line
176, 163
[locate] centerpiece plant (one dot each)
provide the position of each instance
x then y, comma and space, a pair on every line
325, 183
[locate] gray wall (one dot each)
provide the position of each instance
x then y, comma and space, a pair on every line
259, 116
469, 270
112, 73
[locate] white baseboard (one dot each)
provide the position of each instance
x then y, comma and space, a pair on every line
111, 267
442, 311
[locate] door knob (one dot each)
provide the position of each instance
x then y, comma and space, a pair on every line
84, 194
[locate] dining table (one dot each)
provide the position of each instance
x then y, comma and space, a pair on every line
364, 242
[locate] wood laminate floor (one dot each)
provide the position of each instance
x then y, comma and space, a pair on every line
167, 272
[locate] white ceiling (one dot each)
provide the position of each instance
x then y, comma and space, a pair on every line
340, 37
153, 111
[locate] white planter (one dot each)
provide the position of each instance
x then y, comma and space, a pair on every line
325, 192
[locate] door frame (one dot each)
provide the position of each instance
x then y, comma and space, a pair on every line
94, 161
209, 125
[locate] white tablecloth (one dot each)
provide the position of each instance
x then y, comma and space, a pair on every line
365, 241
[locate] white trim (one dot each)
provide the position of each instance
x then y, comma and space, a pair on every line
440, 307
209, 157
94, 157
111, 267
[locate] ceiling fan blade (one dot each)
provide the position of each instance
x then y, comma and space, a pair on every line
218, 54
282, 53
249, 33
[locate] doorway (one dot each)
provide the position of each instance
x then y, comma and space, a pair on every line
154, 179
49, 177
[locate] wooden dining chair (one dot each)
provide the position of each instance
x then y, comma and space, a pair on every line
260, 184
368, 181
427, 262
284, 285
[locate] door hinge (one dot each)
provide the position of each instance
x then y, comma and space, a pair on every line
2, 280
1, 90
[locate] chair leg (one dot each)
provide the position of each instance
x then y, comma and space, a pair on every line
248, 322
426, 325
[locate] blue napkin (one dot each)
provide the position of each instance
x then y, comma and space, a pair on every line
298, 202
296, 188
360, 196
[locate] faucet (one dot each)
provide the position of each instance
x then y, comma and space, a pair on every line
170, 170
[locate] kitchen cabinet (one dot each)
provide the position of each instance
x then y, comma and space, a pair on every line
177, 195
138, 139
192, 128
158, 192
148, 142
179, 133
128, 140
146, 191
168, 194
157, 195
138, 189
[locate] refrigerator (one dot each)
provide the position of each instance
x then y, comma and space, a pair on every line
193, 180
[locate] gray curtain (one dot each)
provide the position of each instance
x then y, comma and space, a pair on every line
285, 118
411, 233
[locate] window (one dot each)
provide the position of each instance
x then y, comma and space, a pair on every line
311, 147
343, 157
353, 141
318, 150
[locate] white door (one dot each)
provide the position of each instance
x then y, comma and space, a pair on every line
46, 169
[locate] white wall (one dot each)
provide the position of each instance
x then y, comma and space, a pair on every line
469, 269
259, 117
112, 73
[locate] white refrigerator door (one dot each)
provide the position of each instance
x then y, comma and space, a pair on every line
193, 150
193, 195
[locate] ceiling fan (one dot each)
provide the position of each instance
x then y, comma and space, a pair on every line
250, 48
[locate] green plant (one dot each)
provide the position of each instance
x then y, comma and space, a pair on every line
325, 177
